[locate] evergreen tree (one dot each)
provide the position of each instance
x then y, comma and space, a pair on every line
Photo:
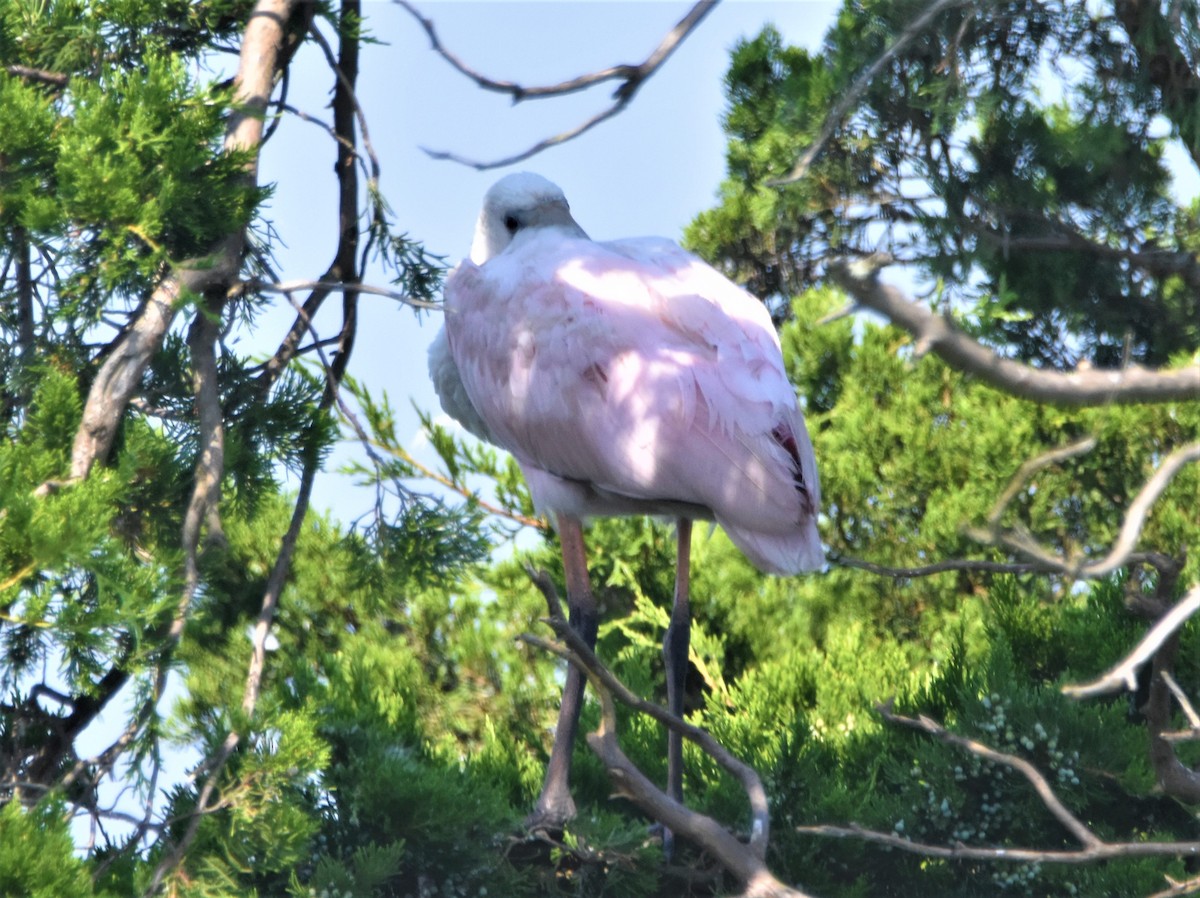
368, 721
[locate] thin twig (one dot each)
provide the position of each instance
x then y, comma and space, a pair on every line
405, 456
632, 77
359, 115
541, 145
328, 129
337, 287
1123, 675
1030, 467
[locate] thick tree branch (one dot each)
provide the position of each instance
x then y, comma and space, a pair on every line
1177, 779
42, 76
1125, 674
940, 334
632, 77
262, 54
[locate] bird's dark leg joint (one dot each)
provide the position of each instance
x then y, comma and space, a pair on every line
585, 622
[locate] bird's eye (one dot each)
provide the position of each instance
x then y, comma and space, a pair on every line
511, 223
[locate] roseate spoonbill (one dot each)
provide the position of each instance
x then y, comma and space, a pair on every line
626, 377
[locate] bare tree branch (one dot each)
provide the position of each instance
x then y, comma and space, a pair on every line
562, 137
121, 373
339, 287
1139, 508
539, 524
1177, 888
1030, 467
1123, 675
350, 98
632, 77
940, 567
1077, 388
1101, 852
56, 79
1069, 821
1185, 703
1093, 848
1131, 528
1177, 778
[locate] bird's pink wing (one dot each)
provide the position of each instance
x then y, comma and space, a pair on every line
638, 369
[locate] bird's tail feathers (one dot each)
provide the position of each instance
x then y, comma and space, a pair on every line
784, 553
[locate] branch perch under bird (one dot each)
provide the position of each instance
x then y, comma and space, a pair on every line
745, 860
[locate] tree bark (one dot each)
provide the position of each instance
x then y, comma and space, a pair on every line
261, 60
1082, 387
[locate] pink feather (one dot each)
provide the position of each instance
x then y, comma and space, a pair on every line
631, 377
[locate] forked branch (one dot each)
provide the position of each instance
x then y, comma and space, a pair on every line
1121, 552
1123, 675
1092, 847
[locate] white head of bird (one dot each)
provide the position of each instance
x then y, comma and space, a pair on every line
519, 204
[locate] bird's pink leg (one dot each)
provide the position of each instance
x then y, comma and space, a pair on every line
675, 658
555, 805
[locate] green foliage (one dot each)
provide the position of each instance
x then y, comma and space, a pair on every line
37, 857
402, 728
1008, 157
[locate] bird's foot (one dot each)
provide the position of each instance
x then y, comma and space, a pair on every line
663, 832
550, 816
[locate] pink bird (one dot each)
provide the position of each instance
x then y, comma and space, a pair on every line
626, 377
